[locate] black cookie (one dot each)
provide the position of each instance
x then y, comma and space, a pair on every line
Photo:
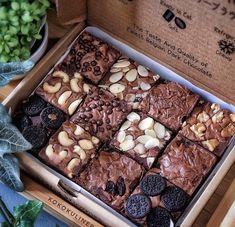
34, 105
36, 136
174, 198
138, 206
152, 185
52, 117
121, 187
159, 217
111, 188
21, 121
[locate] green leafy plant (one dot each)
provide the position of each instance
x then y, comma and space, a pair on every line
20, 21
24, 215
11, 141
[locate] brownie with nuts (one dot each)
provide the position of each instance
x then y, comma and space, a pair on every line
111, 177
64, 89
141, 138
101, 114
37, 120
70, 149
161, 193
210, 126
129, 81
91, 57
169, 103
185, 164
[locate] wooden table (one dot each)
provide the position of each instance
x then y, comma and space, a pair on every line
56, 31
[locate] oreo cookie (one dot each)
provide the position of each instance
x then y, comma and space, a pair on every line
36, 135
52, 117
33, 106
152, 185
138, 206
174, 198
21, 121
158, 217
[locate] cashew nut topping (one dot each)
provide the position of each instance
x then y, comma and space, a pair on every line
63, 97
85, 144
73, 106
73, 163
64, 76
74, 85
86, 88
64, 139
49, 151
79, 130
63, 154
95, 140
78, 76
51, 88
79, 151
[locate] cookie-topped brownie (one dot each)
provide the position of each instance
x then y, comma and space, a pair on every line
185, 164
91, 57
170, 103
129, 81
37, 120
111, 177
70, 149
210, 126
101, 114
161, 194
141, 138
64, 89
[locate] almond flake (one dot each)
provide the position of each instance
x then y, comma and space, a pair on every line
131, 75
142, 71
121, 64
145, 86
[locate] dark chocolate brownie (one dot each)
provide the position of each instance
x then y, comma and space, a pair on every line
141, 138
185, 164
70, 149
170, 103
101, 114
111, 177
210, 126
129, 81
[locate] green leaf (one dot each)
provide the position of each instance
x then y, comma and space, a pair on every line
9, 172
5, 117
15, 5
5, 224
11, 140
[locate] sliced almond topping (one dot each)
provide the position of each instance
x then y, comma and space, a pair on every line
150, 132
63, 97
131, 75
133, 117
95, 140
232, 117
125, 125
64, 76
153, 142
73, 106
130, 97
146, 123
125, 69
121, 136
116, 77
160, 130
150, 161
115, 70
85, 144
142, 71
210, 144
79, 130
127, 145
116, 88
139, 148
218, 117
203, 117
78, 150
145, 86
73, 163
49, 151
51, 89
144, 139
121, 64
64, 139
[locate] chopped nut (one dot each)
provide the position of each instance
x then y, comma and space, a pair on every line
218, 117
203, 117
198, 129
232, 117
228, 131
215, 107
211, 144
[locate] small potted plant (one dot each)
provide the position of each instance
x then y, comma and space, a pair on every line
23, 31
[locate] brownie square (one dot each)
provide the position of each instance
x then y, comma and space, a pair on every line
64, 89
161, 194
70, 149
101, 114
129, 81
170, 103
111, 177
141, 138
185, 164
210, 126
91, 57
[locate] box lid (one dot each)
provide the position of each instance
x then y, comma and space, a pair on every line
195, 38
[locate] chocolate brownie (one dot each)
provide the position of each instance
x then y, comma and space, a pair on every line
129, 81
91, 57
161, 193
210, 126
64, 89
70, 149
185, 164
141, 138
170, 103
101, 114
111, 177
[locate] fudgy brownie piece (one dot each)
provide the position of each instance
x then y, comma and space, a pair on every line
141, 138
91, 57
129, 81
161, 193
101, 114
185, 164
37, 120
111, 177
170, 103
64, 89
70, 149
210, 126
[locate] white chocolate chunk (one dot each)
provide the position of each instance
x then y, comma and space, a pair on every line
146, 123
116, 77
131, 75
121, 64
160, 130
125, 125
85, 144
142, 71
153, 142
139, 148
144, 139
116, 88
64, 139
63, 97
79, 130
150, 132
127, 145
133, 117
73, 163
73, 106
121, 136
145, 86
78, 150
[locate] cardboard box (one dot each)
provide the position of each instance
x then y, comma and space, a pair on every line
164, 30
